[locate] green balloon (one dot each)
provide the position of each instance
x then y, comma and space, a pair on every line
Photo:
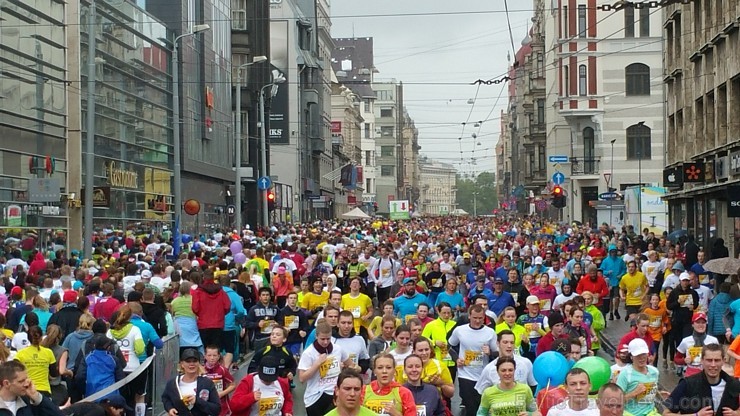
598, 369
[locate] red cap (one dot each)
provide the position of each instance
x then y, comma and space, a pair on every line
697, 316
16, 291
70, 296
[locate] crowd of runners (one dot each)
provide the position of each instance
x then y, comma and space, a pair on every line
371, 318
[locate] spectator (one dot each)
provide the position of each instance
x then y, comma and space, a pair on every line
190, 393
19, 391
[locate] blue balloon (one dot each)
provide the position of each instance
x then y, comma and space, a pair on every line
186, 238
550, 369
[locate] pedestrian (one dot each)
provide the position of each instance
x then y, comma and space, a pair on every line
19, 393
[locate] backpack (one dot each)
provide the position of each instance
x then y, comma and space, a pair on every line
101, 371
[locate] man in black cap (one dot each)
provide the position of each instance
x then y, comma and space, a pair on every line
556, 324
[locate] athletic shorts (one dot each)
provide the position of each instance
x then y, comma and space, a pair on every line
228, 342
615, 292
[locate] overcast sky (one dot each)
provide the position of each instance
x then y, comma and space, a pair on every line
437, 46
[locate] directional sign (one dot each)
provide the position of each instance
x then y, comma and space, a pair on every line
608, 196
558, 178
264, 183
399, 210
230, 209
558, 159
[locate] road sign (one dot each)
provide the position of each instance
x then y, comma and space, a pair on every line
399, 210
231, 210
558, 159
608, 196
264, 183
558, 178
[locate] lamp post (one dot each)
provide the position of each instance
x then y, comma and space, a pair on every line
475, 204
609, 187
90, 136
277, 78
177, 191
639, 180
238, 144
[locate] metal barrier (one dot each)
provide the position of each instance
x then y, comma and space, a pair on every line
164, 368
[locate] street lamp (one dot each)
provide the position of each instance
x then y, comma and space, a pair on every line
475, 204
277, 78
238, 144
90, 136
177, 192
639, 180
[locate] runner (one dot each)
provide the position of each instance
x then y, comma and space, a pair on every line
384, 395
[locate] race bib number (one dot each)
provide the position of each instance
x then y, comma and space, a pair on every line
356, 312
218, 381
686, 300
378, 405
649, 394
421, 410
545, 304
656, 322
704, 279
473, 358
408, 317
385, 272
291, 322
694, 356
340, 273
268, 328
637, 292
329, 371
554, 281
515, 296
353, 357
444, 353
270, 406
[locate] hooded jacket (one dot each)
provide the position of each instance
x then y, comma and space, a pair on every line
236, 312
681, 314
156, 315
38, 264
243, 398
131, 343
74, 343
210, 305
68, 317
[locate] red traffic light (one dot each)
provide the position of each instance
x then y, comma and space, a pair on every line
557, 191
271, 196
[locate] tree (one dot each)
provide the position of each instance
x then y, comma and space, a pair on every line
485, 200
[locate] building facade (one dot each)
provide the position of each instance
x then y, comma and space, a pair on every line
388, 147
35, 113
352, 61
702, 80
604, 109
346, 131
408, 188
438, 189
503, 160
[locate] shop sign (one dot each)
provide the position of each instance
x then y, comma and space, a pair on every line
14, 216
672, 177
735, 163
121, 178
694, 172
733, 201
100, 196
722, 167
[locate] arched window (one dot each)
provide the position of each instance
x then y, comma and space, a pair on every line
638, 142
637, 79
582, 84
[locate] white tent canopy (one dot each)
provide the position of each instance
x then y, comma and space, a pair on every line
459, 212
355, 214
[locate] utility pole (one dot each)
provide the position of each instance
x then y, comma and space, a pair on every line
90, 136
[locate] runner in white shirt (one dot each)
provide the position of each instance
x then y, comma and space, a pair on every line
477, 343
523, 373
353, 344
557, 275
705, 294
319, 368
578, 384
651, 269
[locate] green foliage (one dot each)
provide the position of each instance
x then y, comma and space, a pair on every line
485, 186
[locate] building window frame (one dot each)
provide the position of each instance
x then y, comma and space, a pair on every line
582, 26
637, 79
387, 151
565, 21
387, 170
644, 22
582, 80
639, 142
629, 21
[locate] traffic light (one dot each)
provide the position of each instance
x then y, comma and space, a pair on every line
271, 200
375, 207
558, 197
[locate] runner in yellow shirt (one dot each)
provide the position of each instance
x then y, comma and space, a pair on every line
633, 288
360, 305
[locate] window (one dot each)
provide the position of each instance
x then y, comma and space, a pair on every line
540, 65
387, 150
581, 20
637, 79
589, 162
638, 142
542, 158
540, 112
368, 158
387, 131
629, 21
368, 105
566, 81
565, 21
238, 15
367, 131
644, 22
385, 95
582, 84
387, 170
386, 112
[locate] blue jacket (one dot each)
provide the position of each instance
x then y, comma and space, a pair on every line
614, 268
404, 305
486, 292
148, 333
500, 302
237, 310
74, 343
717, 308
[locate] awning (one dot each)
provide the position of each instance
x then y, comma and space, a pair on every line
699, 190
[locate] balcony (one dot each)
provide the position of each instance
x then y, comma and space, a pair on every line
585, 166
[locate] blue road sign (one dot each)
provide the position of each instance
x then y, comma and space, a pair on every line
558, 159
608, 195
558, 178
264, 183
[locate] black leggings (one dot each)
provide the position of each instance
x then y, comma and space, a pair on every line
322, 406
469, 396
384, 293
